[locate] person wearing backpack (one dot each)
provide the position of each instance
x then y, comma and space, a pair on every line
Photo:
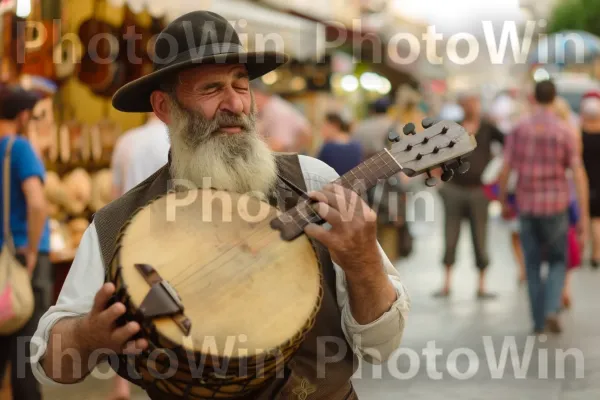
27, 232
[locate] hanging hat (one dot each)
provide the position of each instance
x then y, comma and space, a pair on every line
196, 38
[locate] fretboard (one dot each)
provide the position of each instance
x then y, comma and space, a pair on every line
359, 179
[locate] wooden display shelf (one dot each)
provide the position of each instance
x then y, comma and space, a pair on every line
89, 166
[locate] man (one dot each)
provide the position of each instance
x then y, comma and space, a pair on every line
206, 102
540, 150
139, 153
29, 230
464, 197
372, 132
283, 126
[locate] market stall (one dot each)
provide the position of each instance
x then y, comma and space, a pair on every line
74, 128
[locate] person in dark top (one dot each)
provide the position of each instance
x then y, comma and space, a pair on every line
590, 137
339, 150
464, 196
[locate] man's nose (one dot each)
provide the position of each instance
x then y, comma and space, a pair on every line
232, 102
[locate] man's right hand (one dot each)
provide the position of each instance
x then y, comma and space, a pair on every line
98, 329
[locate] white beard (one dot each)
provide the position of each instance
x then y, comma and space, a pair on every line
241, 163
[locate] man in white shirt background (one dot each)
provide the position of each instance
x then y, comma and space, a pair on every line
139, 153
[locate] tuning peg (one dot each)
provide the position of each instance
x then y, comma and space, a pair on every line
448, 173
393, 136
409, 129
430, 181
428, 122
463, 166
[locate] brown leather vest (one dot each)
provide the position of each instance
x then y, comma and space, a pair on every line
306, 377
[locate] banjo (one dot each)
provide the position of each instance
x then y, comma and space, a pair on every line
226, 287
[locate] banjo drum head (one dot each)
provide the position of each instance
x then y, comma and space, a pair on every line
244, 289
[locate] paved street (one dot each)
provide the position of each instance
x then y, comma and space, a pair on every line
475, 331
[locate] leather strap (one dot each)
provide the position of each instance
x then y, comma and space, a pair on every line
149, 273
8, 239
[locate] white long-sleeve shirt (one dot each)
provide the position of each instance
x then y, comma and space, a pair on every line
373, 342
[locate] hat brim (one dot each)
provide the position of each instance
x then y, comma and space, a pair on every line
135, 95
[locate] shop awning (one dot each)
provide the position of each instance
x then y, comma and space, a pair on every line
259, 27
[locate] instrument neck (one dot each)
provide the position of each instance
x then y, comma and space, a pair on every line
363, 177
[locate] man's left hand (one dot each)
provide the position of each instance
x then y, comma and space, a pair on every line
352, 239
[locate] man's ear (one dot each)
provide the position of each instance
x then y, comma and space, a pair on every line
161, 104
23, 120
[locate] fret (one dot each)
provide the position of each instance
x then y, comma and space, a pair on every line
302, 214
370, 170
353, 173
298, 224
362, 168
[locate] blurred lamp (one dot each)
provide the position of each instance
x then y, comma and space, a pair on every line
23, 8
270, 78
384, 87
370, 81
349, 83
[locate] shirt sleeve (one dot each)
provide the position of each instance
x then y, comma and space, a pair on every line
376, 341
85, 278
26, 162
117, 164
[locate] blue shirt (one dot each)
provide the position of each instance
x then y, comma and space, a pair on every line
342, 157
24, 164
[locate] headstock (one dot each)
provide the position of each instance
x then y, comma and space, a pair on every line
441, 143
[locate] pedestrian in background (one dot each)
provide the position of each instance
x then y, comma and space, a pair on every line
464, 196
541, 150
372, 132
339, 150
284, 127
590, 125
29, 230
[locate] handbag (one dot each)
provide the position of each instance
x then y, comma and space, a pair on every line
16, 293
574, 250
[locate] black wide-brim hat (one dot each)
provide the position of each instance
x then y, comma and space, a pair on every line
196, 38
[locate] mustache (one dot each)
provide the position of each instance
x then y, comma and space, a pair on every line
195, 128
224, 119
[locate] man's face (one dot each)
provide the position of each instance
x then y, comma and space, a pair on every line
212, 126
23, 122
213, 89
